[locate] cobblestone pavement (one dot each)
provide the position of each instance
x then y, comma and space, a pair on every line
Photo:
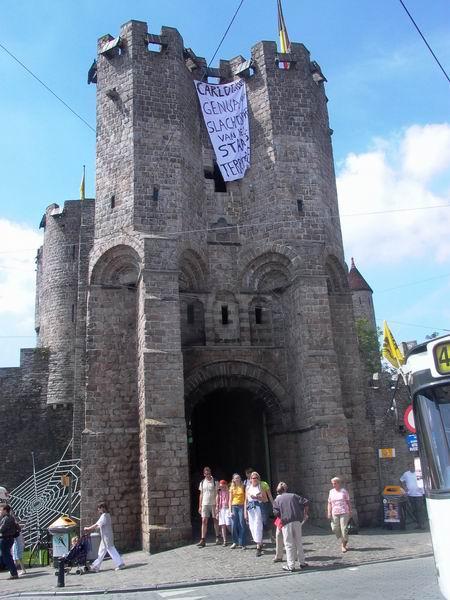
190, 565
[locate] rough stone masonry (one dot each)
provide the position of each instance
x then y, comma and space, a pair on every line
187, 321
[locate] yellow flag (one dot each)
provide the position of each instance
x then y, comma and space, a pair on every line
82, 187
285, 44
391, 352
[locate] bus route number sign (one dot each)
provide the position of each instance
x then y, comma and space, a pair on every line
441, 354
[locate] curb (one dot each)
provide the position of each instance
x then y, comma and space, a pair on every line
202, 582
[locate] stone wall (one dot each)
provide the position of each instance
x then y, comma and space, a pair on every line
29, 424
174, 291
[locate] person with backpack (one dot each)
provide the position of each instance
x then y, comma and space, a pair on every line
9, 530
208, 489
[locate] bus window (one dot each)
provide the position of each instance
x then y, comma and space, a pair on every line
432, 414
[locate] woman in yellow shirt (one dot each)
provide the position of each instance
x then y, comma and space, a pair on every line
237, 501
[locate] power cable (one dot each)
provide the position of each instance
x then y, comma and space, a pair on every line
226, 32
426, 43
46, 87
214, 55
421, 326
403, 285
262, 224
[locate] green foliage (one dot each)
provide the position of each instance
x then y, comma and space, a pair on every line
369, 347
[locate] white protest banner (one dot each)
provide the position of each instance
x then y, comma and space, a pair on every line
224, 109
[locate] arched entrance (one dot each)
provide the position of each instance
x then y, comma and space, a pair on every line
230, 412
228, 432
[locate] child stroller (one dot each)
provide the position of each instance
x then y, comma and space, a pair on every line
77, 556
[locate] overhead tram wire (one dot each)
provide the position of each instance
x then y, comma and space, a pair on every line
261, 224
226, 32
425, 41
46, 87
214, 55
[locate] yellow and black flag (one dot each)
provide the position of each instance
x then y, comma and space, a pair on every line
285, 44
391, 352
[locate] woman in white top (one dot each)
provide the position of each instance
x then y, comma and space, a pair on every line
254, 496
107, 539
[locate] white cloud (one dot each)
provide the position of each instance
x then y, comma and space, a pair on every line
426, 150
18, 245
396, 175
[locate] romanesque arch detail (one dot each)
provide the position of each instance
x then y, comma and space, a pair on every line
267, 272
225, 374
192, 272
336, 277
119, 265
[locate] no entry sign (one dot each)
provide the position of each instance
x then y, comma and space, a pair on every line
408, 419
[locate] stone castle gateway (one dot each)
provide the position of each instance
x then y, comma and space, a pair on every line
190, 321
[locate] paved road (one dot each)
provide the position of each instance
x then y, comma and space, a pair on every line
395, 580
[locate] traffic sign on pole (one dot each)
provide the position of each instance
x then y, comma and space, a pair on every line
408, 419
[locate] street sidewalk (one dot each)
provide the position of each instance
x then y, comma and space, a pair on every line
192, 566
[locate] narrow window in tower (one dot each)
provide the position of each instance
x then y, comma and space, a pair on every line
112, 201
155, 195
219, 182
190, 314
258, 315
73, 313
73, 252
224, 314
300, 205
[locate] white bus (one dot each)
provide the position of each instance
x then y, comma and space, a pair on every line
428, 376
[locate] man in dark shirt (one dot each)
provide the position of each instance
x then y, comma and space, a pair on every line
293, 510
7, 532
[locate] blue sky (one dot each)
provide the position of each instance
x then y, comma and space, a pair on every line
389, 109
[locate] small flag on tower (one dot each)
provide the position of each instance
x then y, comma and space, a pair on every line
82, 185
285, 44
391, 352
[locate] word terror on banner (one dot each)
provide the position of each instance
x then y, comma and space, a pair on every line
224, 109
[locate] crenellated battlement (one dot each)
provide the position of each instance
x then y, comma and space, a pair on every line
135, 41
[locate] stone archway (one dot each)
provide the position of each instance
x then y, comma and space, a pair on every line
110, 439
232, 407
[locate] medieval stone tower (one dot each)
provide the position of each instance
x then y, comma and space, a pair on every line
219, 320
191, 322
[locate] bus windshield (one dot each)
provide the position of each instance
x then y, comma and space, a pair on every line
432, 417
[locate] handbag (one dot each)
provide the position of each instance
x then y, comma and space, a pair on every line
352, 527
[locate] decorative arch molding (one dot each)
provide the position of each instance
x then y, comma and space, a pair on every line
251, 252
120, 265
134, 243
336, 275
268, 266
226, 374
193, 273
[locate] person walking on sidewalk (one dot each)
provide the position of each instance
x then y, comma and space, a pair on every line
237, 502
8, 531
208, 489
279, 543
339, 511
107, 539
254, 496
17, 552
222, 509
415, 496
292, 509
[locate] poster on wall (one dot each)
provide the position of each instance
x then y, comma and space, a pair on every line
391, 512
225, 112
